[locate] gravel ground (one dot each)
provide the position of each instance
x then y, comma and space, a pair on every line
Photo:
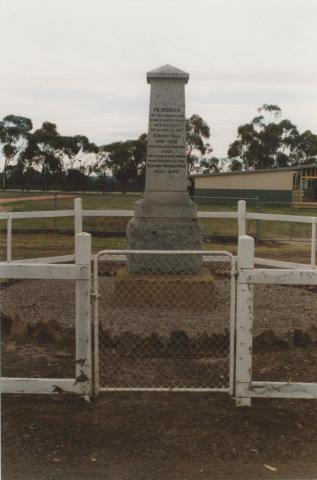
281, 308
38, 300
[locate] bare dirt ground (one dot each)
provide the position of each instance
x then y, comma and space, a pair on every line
157, 436
152, 436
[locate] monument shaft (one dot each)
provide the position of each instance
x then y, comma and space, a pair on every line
166, 169
166, 218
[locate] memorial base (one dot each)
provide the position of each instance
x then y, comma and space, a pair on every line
164, 234
189, 292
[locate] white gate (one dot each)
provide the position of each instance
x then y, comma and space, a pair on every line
159, 331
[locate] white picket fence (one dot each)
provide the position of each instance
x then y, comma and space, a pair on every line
241, 215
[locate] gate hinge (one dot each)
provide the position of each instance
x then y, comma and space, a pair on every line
94, 295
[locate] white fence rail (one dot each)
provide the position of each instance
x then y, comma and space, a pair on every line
80, 272
241, 382
246, 387
241, 215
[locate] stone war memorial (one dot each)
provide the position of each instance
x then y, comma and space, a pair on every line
166, 218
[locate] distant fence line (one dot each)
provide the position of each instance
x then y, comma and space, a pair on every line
241, 215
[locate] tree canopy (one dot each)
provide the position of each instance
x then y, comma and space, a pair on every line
43, 153
14, 137
44, 158
269, 142
126, 160
53, 159
198, 147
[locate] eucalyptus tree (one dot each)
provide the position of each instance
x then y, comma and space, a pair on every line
44, 152
56, 154
305, 151
198, 148
81, 154
267, 141
14, 137
125, 160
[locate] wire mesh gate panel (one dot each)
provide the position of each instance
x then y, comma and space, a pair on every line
168, 327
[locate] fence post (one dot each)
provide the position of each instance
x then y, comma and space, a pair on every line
9, 238
55, 208
313, 243
83, 317
257, 222
241, 217
78, 216
244, 322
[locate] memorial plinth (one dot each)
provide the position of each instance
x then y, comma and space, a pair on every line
189, 292
166, 218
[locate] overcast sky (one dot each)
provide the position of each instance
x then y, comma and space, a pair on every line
81, 63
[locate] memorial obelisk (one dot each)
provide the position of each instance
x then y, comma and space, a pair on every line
166, 218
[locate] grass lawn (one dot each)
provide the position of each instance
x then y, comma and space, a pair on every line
89, 200
13, 194
32, 245
29, 245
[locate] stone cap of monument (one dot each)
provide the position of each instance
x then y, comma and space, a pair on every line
167, 72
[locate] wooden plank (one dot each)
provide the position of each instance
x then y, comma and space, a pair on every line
39, 385
244, 319
56, 259
280, 218
313, 245
281, 264
108, 213
278, 389
78, 216
279, 277
242, 209
245, 252
43, 271
42, 214
217, 214
83, 315
244, 338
